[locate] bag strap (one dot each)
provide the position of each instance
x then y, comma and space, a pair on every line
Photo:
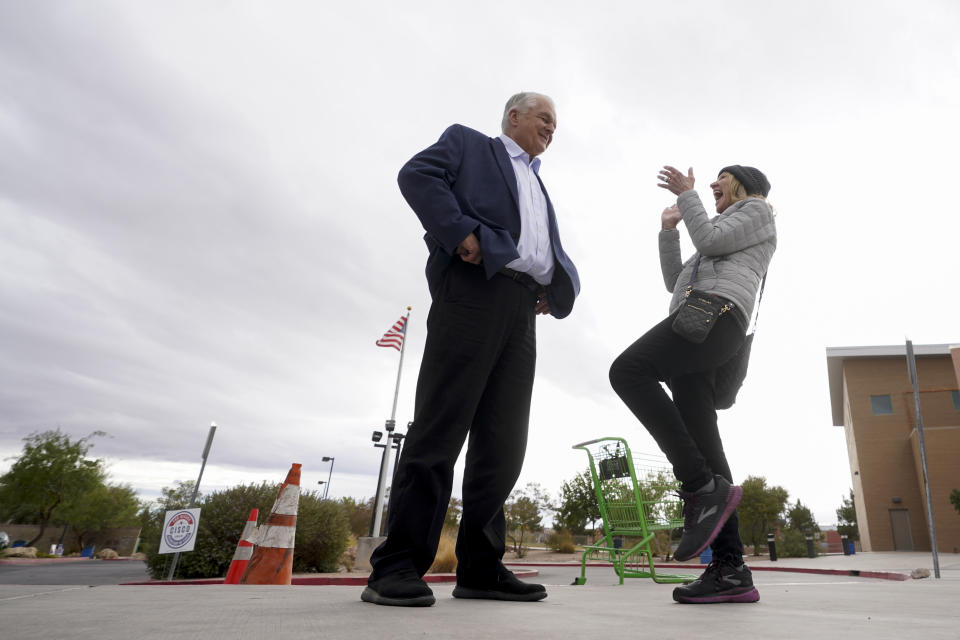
693, 274
756, 307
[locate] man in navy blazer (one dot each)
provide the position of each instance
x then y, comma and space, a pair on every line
495, 262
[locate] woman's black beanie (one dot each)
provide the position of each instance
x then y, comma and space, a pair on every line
752, 179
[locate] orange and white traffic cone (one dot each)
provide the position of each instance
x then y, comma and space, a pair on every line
241, 557
272, 560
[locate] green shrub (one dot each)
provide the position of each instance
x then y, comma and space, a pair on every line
359, 514
794, 544
660, 545
323, 534
222, 519
561, 541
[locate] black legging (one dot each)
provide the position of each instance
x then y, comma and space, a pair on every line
684, 426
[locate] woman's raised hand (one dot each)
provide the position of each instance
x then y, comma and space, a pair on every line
674, 181
670, 218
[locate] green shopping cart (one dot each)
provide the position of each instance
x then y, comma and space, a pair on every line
637, 497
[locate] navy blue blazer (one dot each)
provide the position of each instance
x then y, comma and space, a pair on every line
465, 183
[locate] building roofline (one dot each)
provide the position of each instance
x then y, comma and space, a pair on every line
837, 355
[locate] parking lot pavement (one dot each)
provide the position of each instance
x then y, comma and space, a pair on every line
81, 572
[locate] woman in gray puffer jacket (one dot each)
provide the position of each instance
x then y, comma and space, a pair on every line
733, 250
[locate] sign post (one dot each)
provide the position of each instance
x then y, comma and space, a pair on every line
193, 501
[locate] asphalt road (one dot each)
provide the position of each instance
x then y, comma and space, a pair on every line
88, 572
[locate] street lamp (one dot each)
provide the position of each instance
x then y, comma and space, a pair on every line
329, 459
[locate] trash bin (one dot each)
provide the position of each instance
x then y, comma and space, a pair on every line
851, 547
87, 551
706, 556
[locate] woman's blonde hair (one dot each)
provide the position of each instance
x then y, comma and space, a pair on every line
738, 192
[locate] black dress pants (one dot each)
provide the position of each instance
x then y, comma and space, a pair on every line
684, 426
476, 379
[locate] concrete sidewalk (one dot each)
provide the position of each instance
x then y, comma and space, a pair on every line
793, 605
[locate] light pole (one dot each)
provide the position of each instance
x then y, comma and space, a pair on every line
329, 459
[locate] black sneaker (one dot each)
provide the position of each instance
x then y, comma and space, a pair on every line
704, 515
506, 587
402, 589
723, 581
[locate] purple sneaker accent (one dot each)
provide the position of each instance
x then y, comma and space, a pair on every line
704, 516
751, 595
726, 580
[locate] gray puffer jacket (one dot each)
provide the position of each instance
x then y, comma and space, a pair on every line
736, 247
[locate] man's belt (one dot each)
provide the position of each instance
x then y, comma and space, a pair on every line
523, 278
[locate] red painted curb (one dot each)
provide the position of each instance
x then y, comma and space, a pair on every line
879, 575
306, 580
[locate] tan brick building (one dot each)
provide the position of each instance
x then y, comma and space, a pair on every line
872, 399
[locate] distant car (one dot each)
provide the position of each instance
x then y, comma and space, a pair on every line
4, 540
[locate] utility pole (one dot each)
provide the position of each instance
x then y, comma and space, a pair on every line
912, 371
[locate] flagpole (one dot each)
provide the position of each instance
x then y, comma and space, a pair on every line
391, 424
403, 346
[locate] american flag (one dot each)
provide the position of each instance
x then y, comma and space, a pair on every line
394, 335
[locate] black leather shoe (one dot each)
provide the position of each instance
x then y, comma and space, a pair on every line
404, 589
506, 587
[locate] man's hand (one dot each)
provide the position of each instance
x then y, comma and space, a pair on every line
670, 217
543, 305
469, 250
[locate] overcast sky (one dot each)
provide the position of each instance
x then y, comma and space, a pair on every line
199, 217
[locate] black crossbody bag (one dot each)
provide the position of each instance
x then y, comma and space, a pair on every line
699, 312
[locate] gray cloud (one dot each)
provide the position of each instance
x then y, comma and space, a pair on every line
199, 218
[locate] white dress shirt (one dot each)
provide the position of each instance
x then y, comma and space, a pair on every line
536, 255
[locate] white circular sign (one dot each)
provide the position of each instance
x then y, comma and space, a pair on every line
180, 529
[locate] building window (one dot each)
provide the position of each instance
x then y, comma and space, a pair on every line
881, 405
956, 399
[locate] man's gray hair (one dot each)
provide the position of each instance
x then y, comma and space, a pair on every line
522, 102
